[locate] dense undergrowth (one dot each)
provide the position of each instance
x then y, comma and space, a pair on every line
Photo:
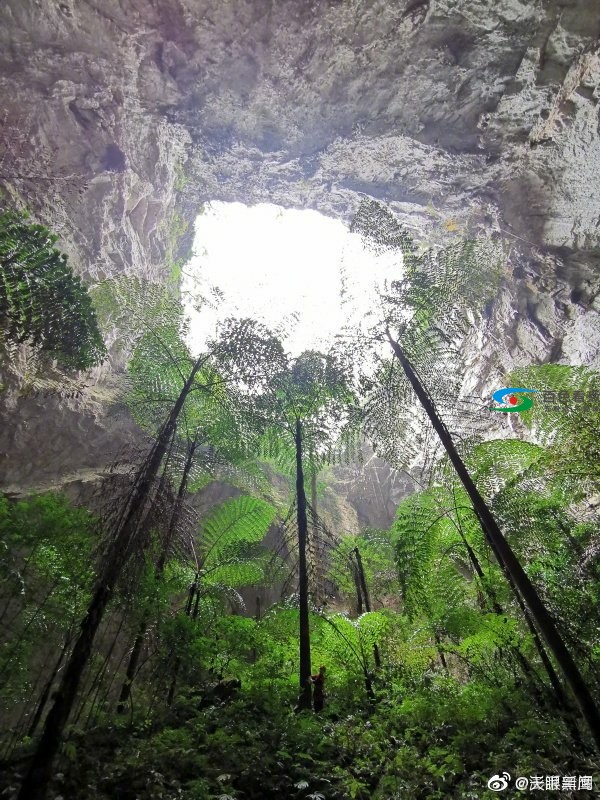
431, 740
441, 718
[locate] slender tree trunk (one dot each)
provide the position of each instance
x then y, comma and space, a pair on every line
196, 605
527, 669
314, 541
367, 598
48, 687
369, 687
562, 701
193, 592
138, 644
356, 579
96, 683
35, 783
304, 699
132, 664
11, 596
486, 588
557, 694
438, 645
528, 592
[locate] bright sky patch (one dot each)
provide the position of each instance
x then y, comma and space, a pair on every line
286, 268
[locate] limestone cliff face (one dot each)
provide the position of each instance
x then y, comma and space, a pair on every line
120, 117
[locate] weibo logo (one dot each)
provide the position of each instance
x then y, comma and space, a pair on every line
512, 403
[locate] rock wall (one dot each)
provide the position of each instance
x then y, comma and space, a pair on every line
121, 117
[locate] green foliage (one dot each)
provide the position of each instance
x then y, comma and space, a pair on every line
429, 310
377, 555
46, 530
439, 740
427, 734
213, 413
229, 542
439, 287
474, 617
130, 307
450, 700
349, 643
45, 578
157, 371
181, 179
176, 228
41, 301
566, 419
314, 389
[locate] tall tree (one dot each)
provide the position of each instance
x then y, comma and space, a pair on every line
365, 595
165, 549
431, 309
125, 535
304, 407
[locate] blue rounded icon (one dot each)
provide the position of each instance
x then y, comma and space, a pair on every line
500, 394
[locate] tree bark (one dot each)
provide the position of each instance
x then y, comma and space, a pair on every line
528, 592
304, 699
527, 669
48, 687
561, 699
356, 579
193, 592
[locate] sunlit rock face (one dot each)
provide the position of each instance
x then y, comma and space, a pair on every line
120, 118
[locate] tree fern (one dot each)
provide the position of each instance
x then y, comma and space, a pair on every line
430, 308
42, 302
424, 549
240, 520
351, 642
377, 554
302, 407
130, 307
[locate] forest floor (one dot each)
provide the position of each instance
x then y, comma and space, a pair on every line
444, 741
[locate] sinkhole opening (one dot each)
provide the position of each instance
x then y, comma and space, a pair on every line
302, 274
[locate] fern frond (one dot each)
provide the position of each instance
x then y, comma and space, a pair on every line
240, 520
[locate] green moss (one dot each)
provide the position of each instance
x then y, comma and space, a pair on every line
181, 179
